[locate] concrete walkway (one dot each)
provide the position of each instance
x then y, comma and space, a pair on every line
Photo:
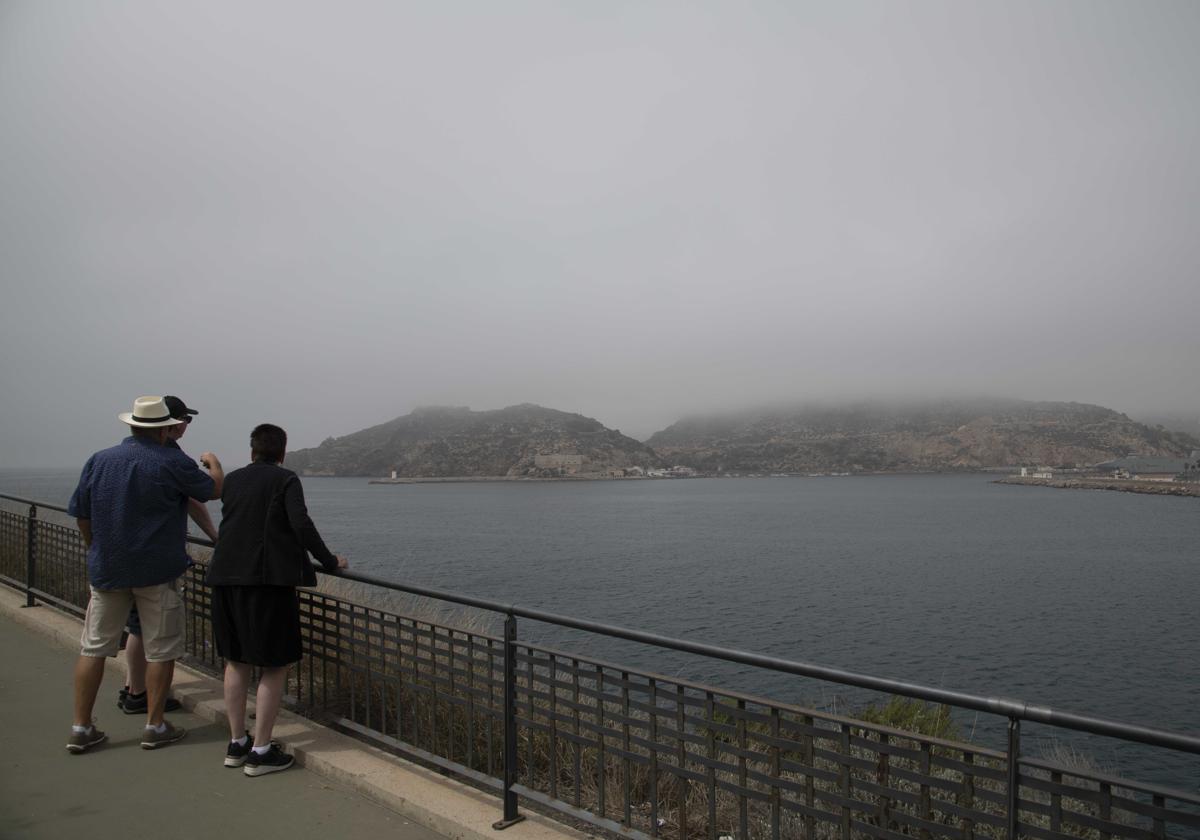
118, 790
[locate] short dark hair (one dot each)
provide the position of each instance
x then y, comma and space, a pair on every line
267, 443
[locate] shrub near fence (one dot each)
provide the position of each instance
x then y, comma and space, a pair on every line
644, 754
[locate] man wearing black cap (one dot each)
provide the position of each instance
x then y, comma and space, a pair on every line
196, 510
132, 697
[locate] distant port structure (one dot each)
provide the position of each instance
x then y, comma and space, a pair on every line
1133, 474
1150, 469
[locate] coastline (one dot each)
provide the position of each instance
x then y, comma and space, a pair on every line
459, 479
1121, 485
462, 479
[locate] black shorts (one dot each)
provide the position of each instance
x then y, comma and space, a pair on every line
257, 625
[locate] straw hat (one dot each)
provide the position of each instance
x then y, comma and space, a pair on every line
149, 413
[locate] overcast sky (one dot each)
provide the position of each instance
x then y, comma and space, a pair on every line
326, 214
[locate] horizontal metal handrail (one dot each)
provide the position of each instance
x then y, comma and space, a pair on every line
1010, 708
33, 502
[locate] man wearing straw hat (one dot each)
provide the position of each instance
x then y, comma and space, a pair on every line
132, 699
131, 505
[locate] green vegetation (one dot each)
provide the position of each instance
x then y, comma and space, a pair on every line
916, 716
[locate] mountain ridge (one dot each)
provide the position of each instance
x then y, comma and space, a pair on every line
531, 441
453, 441
898, 437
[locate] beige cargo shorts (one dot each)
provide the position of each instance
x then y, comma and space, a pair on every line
160, 608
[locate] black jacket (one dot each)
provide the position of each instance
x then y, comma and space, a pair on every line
265, 532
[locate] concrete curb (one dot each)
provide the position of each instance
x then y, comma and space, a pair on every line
441, 804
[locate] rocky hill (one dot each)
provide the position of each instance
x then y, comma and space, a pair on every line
935, 436
451, 442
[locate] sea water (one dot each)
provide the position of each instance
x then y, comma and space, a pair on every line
1081, 600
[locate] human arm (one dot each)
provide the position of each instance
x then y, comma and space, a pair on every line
80, 505
302, 525
200, 515
217, 472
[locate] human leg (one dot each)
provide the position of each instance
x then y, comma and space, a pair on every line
100, 639
158, 683
89, 671
258, 625
135, 673
277, 644
227, 634
267, 757
271, 684
237, 683
133, 698
161, 612
135, 656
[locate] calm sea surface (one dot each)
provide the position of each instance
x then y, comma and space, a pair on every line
1084, 601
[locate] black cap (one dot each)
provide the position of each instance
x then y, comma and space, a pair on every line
178, 408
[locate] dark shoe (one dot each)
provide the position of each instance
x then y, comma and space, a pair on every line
83, 741
121, 695
235, 756
136, 704
272, 761
152, 739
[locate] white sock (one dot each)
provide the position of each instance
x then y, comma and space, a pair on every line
241, 742
76, 729
262, 750
160, 729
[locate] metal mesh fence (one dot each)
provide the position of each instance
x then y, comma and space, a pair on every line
638, 752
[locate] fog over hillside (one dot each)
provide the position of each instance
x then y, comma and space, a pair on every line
1186, 423
906, 436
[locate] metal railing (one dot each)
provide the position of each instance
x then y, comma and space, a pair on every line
647, 755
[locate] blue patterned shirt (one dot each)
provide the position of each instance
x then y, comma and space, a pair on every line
135, 495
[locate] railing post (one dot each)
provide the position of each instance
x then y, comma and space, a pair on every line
1014, 758
510, 725
31, 556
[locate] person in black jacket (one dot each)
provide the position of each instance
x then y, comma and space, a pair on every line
260, 558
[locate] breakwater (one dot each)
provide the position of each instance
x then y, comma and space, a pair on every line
1123, 485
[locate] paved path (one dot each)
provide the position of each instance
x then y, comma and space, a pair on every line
179, 791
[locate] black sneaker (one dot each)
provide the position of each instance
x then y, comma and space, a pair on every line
136, 704
121, 695
236, 755
272, 761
